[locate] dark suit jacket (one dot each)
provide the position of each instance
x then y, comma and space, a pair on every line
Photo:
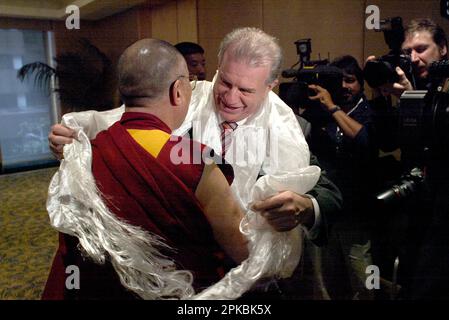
327, 195
329, 200
325, 192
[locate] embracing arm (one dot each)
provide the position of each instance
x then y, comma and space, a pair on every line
222, 212
92, 122
287, 209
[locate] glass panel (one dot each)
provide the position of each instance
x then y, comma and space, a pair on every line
25, 112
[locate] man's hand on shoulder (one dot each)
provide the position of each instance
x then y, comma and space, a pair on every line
286, 210
59, 136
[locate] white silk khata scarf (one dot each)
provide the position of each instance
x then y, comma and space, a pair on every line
76, 207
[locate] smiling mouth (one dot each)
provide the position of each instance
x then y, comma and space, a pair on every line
229, 108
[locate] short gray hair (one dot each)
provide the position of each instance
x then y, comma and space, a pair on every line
255, 47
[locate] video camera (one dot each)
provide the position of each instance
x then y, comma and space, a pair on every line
423, 133
382, 70
296, 93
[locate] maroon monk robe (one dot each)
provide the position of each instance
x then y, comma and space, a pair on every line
149, 192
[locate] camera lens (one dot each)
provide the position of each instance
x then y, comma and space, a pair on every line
379, 72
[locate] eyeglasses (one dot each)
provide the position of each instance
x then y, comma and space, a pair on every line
192, 78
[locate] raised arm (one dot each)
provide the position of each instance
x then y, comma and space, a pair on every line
222, 212
91, 121
58, 137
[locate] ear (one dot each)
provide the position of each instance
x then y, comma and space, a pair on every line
176, 93
273, 84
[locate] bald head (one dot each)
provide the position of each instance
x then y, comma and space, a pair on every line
147, 68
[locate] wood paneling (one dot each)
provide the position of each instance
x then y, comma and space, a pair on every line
164, 22
217, 18
175, 21
335, 27
111, 35
144, 22
187, 21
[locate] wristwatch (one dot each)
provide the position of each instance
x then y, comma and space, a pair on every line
334, 109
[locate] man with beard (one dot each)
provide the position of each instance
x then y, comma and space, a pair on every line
346, 146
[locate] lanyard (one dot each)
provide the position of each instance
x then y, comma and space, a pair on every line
349, 112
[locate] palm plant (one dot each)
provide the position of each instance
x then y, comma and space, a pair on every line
85, 79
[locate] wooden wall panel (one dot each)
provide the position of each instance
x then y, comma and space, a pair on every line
335, 27
217, 18
175, 21
144, 24
326, 22
187, 21
111, 35
117, 32
164, 22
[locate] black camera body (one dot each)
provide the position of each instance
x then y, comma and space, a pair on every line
297, 93
423, 133
424, 118
383, 70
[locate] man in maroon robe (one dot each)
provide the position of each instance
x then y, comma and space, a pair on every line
189, 205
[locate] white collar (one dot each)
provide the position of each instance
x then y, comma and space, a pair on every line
239, 123
355, 107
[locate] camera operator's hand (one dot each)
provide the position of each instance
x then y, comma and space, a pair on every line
322, 95
348, 126
397, 88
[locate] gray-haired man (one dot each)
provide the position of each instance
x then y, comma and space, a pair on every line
239, 115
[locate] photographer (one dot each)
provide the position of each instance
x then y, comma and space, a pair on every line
424, 42
347, 150
425, 264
